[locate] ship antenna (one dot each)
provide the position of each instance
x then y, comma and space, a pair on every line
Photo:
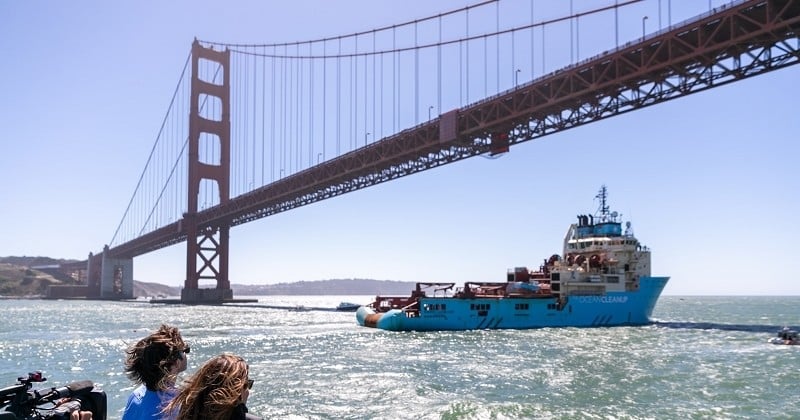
603, 195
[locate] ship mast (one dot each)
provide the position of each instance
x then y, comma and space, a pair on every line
603, 195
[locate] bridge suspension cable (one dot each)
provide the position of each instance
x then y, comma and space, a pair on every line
296, 105
376, 83
140, 184
161, 191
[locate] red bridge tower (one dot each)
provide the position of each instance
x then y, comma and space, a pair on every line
208, 245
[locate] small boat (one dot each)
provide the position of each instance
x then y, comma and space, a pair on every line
786, 336
601, 279
347, 307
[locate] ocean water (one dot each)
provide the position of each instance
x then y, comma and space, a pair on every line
706, 357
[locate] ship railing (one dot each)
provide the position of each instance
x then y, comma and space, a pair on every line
410, 305
436, 287
385, 303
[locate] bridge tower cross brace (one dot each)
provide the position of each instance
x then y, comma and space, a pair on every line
208, 244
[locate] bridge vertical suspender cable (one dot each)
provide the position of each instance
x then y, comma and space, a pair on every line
152, 150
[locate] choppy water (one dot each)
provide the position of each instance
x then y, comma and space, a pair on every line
706, 358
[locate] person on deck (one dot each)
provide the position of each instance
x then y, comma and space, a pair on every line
218, 391
154, 363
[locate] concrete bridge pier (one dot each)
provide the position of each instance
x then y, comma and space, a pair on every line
196, 296
115, 276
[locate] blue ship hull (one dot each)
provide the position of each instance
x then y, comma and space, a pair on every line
449, 313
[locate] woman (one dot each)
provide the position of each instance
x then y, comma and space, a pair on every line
154, 363
218, 391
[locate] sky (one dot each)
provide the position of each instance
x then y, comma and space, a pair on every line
709, 181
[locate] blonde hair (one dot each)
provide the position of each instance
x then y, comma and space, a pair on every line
214, 391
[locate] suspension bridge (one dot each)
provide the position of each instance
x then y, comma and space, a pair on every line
258, 129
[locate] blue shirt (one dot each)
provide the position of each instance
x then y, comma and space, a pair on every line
144, 404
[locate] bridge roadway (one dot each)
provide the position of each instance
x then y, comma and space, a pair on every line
722, 46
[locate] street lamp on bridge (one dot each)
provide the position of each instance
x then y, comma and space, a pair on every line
430, 108
365, 138
644, 19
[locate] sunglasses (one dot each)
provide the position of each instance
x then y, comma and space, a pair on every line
250, 383
181, 353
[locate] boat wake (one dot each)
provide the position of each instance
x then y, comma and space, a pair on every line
756, 328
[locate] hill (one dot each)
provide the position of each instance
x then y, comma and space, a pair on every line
308, 288
18, 279
22, 281
144, 289
33, 261
327, 287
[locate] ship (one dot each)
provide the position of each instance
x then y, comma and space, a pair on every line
601, 279
786, 336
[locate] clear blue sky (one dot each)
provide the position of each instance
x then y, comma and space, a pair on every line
709, 181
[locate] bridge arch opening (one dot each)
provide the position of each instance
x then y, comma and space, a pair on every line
210, 107
210, 149
210, 71
209, 193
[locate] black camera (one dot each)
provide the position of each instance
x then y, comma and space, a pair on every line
20, 402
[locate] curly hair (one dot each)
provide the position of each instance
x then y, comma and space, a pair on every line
214, 392
150, 360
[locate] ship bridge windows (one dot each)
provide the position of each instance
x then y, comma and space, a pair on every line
481, 308
521, 306
434, 307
